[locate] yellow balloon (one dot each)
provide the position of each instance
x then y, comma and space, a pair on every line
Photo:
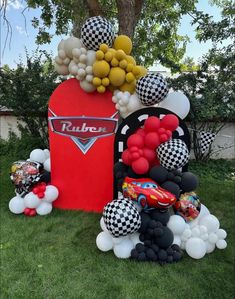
105, 81
104, 48
130, 59
136, 70
114, 62
123, 63
101, 68
130, 77
129, 67
96, 81
108, 56
101, 89
120, 54
117, 76
128, 87
123, 42
99, 55
143, 72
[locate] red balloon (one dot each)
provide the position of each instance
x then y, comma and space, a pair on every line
35, 190
133, 149
163, 138
152, 140
134, 156
140, 132
135, 140
140, 166
32, 212
156, 162
169, 133
126, 157
170, 122
152, 124
161, 131
41, 194
149, 154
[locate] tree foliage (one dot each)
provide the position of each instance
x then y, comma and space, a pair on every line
26, 90
152, 24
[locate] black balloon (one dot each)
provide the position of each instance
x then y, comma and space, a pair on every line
142, 257
189, 182
140, 247
158, 174
119, 167
46, 177
162, 216
172, 187
166, 239
162, 255
134, 254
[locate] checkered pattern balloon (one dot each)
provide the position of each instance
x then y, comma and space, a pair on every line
173, 154
151, 89
206, 138
121, 217
96, 31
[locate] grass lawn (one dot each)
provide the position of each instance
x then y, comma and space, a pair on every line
56, 257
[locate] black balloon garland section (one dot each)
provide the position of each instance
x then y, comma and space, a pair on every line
157, 239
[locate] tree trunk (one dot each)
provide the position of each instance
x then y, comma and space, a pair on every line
128, 15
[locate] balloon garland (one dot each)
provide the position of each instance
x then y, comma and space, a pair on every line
148, 170
31, 178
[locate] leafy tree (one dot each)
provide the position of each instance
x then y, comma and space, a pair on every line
26, 90
152, 24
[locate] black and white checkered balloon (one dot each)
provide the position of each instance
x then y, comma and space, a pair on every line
96, 31
151, 89
121, 217
173, 154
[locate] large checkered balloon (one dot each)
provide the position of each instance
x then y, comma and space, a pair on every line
96, 31
151, 89
121, 217
173, 154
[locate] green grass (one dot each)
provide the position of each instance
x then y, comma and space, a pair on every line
56, 257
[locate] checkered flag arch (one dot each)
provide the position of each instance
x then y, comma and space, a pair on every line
151, 89
173, 154
206, 138
121, 217
96, 31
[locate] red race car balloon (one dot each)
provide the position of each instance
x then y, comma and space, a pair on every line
147, 193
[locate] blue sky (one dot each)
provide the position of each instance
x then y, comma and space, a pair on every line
24, 36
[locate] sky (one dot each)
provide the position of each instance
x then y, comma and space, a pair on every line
23, 34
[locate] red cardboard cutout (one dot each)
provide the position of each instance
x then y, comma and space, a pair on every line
81, 144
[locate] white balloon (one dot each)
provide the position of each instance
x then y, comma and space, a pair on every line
62, 54
83, 50
193, 223
203, 212
102, 225
204, 237
47, 152
91, 57
47, 165
123, 249
176, 224
211, 223
125, 99
196, 248
38, 155
88, 87
221, 233
183, 245
76, 52
135, 238
187, 233
70, 44
195, 232
61, 45
66, 61
74, 70
81, 66
81, 73
114, 99
212, 238
177, 240
119, 95
83, 58
62, 69
31, 201
176, 102
89, 78
221, 244
44, 208
122, 109
58, 60
51, 193
210, 247
89, 70
134, 103
16, 205
104, 241
203, 229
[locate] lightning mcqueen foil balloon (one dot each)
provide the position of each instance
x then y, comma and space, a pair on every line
147, 193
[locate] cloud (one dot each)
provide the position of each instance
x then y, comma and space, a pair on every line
20, 30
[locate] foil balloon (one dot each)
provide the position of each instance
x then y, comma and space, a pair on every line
188, 206
24, 174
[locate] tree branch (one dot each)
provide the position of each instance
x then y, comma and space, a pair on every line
94, 8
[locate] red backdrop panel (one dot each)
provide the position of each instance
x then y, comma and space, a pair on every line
85, 181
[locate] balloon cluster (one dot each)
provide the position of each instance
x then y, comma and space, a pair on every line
141, 146
200, 236
157, 239
33, 195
